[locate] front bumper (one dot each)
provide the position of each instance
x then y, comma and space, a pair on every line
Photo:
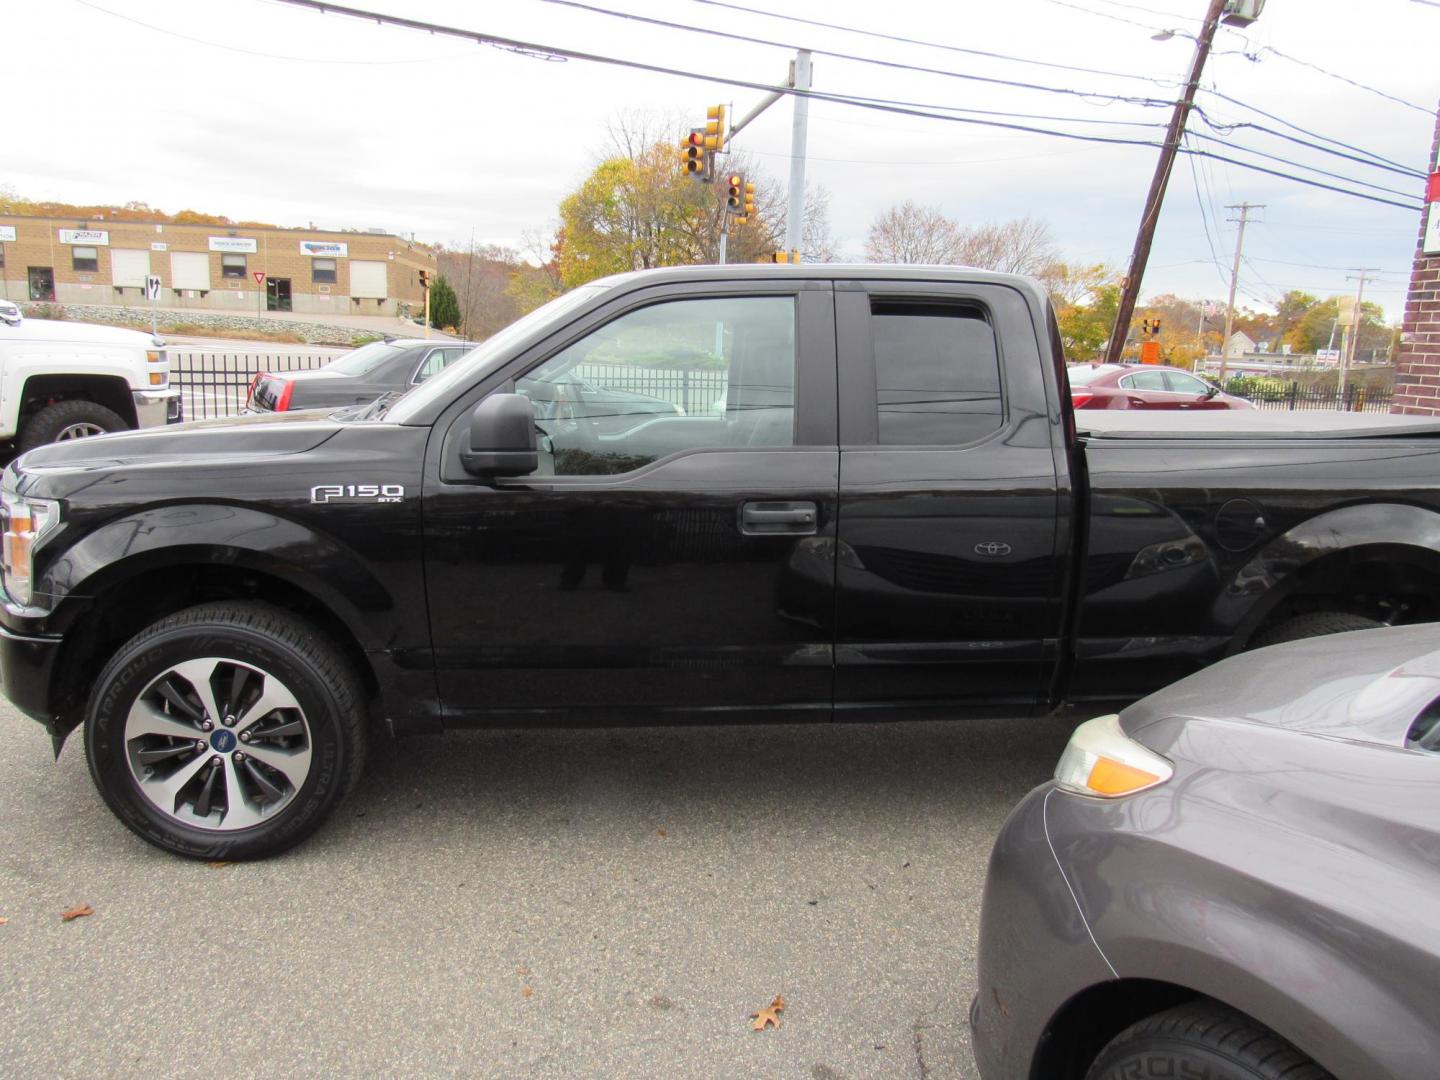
154, 408
27, 664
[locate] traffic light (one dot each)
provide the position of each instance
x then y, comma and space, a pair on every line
791, 256
425, 279
692, 154
735, 195
715, 128
749, 199
1155, 326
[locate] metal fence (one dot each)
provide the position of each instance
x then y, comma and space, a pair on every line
696, 390
1297, 398
215, 384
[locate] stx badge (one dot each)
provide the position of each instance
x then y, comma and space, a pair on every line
349, 493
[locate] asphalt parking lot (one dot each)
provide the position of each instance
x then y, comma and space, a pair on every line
546, 904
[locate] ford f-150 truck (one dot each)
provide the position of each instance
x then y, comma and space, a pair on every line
870, 501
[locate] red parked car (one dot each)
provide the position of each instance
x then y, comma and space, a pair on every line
1144, 386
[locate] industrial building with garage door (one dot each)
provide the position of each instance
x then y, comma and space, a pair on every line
211, 267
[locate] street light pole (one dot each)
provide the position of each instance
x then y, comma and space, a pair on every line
1141, 255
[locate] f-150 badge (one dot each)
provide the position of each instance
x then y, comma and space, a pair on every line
347, 493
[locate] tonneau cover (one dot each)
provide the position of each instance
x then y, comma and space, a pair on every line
1249, 424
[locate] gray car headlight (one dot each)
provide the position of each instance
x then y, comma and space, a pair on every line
26, 523
1102, 760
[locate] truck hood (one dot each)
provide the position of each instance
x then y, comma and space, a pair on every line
1367, 686
77, 333
260, 435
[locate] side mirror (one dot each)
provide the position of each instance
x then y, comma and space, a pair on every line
1211, 392
502, 438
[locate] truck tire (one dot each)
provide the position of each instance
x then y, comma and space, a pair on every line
1204, 1040
66, 420
226, 731
1312, 624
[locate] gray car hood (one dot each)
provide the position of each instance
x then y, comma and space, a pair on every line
1368, 685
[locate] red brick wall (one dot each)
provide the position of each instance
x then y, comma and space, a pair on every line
1417, 374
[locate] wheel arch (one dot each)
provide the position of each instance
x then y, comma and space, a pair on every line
111, 391
1360, 559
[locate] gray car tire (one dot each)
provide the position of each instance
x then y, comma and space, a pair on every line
250, 692
1204, 1041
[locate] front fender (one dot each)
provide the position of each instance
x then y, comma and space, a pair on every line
221, 535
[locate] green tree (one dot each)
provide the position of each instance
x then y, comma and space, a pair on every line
444, 304
1086, 299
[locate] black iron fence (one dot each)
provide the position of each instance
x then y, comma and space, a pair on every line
696, 390
1296, 398
215, 384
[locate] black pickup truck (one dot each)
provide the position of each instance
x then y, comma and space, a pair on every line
869, 500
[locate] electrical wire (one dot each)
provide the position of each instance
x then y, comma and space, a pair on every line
1226, 128
1302, 165
880, 36
895, 65
527, 48
1342, 78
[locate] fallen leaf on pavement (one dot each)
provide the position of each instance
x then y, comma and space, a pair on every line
527, 992
661, 832
3, 920
218, 863
79, 911
769, 1017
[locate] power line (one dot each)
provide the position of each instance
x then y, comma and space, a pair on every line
850, 57
534, 49
1302, 165
1227, 128
1342, 78
878, 35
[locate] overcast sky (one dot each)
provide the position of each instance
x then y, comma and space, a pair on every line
258, 109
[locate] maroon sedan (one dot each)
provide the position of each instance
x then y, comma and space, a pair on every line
1147, 386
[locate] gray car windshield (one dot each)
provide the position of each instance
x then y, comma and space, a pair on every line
471, 367
363, 360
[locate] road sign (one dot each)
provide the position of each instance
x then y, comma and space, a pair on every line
259, 278
152, 287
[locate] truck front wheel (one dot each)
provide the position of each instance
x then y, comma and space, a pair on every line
65, 420
226, 731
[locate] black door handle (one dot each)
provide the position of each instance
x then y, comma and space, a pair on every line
769, 518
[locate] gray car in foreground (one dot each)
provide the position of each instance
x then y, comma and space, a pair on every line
1237, 877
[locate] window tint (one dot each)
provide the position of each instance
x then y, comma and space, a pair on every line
674, 376
937, 373
232, 266
1145, 380
436, 362
323, 271
364, 359
1182, 383
85, 258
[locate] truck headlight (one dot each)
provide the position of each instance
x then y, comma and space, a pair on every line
26, 523
1102, 760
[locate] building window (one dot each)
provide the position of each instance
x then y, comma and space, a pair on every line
85, 259
232, 266
322, 271
2, 256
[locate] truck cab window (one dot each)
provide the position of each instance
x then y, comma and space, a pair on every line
673, 376
937, 373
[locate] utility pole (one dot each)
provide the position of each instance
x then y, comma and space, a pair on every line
1244, 209
795, 215
1141, 255
1347, 355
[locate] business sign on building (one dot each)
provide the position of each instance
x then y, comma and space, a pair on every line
1431, 243
7, 232
233, 243
324, 248
85, 236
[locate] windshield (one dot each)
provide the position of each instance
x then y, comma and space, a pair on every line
471, 367
1080, 374
363, 360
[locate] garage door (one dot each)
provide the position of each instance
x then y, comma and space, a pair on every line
367, 279
189, 270
129, 267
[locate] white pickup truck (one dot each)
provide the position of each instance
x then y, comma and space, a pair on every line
67, 380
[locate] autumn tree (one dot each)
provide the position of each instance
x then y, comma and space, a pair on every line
910, 233
1086, 299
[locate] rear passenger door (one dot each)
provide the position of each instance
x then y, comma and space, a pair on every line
1147, 389
947, 579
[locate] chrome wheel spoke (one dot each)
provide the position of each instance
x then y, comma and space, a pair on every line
294, 765
273, 696
177, 700
211, 787
239, 813
263, 784
146, 719
165, 791
198, 674
156, 755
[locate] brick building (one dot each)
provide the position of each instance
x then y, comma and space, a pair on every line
1417, 364
210, 267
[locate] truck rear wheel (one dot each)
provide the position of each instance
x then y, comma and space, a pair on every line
1312, 624
226, 731
67, 420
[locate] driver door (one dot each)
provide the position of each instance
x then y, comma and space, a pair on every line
671, 553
